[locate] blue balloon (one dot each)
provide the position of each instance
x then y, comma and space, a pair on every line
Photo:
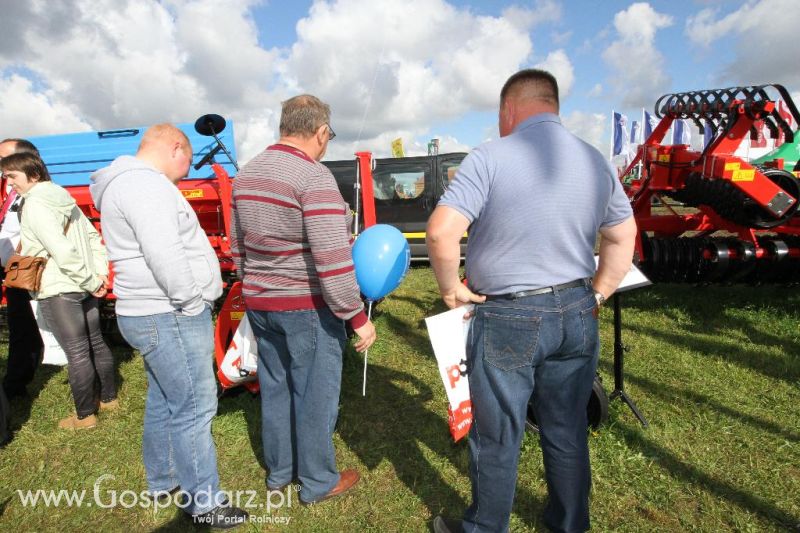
381, 256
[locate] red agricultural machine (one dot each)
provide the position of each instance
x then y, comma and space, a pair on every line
729, 220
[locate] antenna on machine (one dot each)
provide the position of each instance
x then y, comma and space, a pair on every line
210, 125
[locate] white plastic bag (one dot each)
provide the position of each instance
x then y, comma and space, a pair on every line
448, 333
240, 361
53, 353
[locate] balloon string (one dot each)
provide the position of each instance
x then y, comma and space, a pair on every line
366, 352
371, 90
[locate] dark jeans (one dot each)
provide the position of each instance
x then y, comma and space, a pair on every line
545, 346
74, 319
300, 375
24, 342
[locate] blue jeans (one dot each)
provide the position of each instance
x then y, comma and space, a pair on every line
300, 374
545, 346
177, 445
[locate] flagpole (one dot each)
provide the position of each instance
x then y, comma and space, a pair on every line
641, 147
643, 127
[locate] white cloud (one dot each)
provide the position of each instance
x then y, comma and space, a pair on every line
764, 32
27, 112
591, 127
560, 38
429, 61
558, 64
254, 132
595, 91
222, 50
387, 67
638, 67
137, 62
526, 18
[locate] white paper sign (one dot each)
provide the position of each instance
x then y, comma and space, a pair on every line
632, 280
448, 333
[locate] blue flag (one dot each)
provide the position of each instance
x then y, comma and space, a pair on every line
620, 136
708, 133
677, 131
635, 132
650, 123
681, 134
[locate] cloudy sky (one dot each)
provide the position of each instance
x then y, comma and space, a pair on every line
415, 69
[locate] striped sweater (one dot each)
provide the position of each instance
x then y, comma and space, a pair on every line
290, 236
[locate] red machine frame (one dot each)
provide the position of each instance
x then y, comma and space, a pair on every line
744, 224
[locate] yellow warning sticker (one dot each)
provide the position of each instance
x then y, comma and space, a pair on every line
664, 158
237, 315
732, 166
192, 193
744, 175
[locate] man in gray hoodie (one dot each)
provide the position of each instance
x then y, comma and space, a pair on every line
166, 280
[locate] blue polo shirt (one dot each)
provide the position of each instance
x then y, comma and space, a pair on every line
535, 200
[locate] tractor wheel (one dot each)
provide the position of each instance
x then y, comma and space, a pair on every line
596, 409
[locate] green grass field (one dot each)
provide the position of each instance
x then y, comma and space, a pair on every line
716, 371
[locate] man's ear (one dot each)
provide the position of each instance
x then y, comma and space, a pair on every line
321, 134
509, 111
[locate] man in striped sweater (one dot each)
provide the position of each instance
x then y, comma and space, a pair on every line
290, 240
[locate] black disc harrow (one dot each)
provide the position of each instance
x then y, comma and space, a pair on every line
720, 259
732, 203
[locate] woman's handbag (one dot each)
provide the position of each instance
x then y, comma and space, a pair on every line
25, 271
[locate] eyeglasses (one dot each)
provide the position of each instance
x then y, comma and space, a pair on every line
331, 133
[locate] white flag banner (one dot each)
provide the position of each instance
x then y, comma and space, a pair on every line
448, 333
53, 353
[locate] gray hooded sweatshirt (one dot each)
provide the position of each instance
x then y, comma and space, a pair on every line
162, 259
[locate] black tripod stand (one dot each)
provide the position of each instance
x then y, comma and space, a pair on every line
619, 350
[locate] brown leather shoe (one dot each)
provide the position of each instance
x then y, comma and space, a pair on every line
111, 405
347, 480
73, 422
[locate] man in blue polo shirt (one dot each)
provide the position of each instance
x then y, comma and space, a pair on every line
533, 201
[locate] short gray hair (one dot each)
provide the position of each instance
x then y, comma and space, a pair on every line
302, 115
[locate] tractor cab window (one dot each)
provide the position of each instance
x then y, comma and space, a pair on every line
399, 185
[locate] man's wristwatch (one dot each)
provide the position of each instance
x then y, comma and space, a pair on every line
599, 298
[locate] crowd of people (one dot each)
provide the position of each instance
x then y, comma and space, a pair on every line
534, 332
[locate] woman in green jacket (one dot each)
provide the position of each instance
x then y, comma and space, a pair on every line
74, 278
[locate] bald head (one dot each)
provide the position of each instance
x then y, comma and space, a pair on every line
168, 149
17, 146
162, 134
